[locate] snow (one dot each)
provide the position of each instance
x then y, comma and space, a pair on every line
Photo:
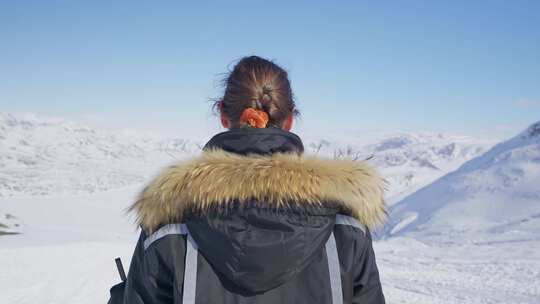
66, 219
66, 247
495, 196
80, 272
415, 272
469, 235
479, 226
406, 219
43, 156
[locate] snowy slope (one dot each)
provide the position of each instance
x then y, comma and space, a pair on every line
493, 197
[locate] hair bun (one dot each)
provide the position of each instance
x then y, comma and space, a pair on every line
265, 96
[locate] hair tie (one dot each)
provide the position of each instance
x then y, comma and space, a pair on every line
255, 118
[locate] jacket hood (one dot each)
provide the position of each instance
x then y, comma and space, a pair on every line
257, 207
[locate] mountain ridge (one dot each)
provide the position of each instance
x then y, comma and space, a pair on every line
496, 190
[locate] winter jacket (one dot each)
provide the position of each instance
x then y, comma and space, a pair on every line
254, 220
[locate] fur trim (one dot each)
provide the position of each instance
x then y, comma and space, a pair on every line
216, 178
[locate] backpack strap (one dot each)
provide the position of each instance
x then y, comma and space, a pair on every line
334, 269
333, 257
190, 263
350, 221
165, 231
190, 271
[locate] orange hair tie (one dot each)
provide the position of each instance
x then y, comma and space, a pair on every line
255, 118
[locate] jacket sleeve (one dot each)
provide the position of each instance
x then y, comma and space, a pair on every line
367, 285
153, 272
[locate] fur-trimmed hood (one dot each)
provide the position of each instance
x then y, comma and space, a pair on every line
217, 178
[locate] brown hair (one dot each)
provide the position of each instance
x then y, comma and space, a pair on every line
257, 83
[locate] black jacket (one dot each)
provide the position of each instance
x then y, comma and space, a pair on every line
253, 220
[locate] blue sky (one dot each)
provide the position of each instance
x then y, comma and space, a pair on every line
469, 67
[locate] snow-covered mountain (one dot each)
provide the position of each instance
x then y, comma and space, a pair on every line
408, 160
495, 196
44, 156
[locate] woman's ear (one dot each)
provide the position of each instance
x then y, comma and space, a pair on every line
225, 121
287, 125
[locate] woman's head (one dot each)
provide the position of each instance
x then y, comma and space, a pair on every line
257, 90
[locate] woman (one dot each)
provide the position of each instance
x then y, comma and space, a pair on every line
253, 220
